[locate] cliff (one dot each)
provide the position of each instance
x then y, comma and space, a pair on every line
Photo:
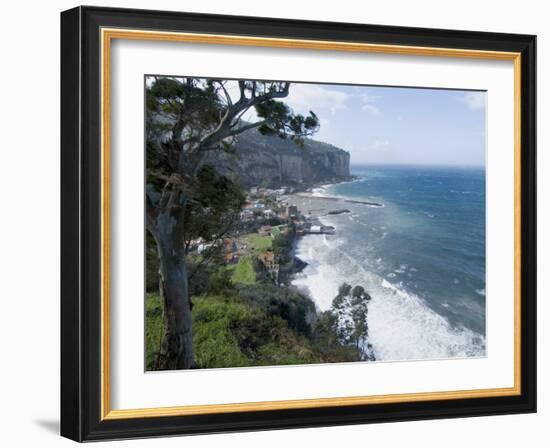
270, 161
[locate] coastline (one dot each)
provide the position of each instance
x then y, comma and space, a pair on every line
359, 254
318, 208
299, 264
316, 215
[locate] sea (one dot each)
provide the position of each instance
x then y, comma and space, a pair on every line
420, 255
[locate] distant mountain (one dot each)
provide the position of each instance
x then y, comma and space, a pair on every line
270, 161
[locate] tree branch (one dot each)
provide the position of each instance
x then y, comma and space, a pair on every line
210, 253
226, 93
244, 128
223, 129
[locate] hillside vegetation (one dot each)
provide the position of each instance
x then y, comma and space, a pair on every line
233, 332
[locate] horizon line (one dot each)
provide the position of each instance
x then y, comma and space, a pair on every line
442, 165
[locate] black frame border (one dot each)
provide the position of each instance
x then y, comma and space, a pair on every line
81, 223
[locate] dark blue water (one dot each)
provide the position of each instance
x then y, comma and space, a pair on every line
421, 256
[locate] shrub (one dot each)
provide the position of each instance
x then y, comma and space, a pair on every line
220, 281
287, 303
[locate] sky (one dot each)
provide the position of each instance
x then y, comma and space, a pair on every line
393, 125
397, 125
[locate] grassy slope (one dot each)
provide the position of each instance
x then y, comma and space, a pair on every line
244, 271
153, 328
258, 243
229, 333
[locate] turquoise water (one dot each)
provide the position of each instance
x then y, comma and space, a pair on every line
421, 256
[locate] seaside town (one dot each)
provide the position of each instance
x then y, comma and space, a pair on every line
268, 221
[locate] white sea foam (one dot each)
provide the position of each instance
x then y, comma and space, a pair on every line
401, 325
319, 192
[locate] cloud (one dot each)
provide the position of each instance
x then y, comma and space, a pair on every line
473, 100
368, 105
305, 97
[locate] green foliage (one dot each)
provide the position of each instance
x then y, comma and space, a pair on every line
267, 340
220, 281
286, 303
247, 328
244, 272
326, 341
279, 120
176, 96
183, 103
215, 207
350, 308
214, 343
199, 275
230, 333
282, 248
154, 329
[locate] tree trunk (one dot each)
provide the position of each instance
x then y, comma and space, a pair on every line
177, 342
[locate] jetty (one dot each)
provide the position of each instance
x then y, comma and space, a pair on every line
339, 211
372, 204
332, 198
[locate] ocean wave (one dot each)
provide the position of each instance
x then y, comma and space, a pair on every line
428, 334
319, 192
401, 325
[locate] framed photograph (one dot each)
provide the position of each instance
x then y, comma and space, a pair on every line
276, 224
